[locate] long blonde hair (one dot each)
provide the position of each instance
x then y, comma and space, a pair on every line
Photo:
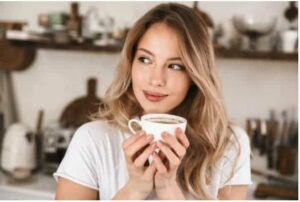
208, 127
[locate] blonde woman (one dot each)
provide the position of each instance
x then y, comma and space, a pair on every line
166, 66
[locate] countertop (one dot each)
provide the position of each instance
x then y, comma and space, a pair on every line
39, 186
42, 186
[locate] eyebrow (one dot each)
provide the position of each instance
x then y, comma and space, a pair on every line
149, 52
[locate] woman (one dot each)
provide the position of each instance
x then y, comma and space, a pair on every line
167, 66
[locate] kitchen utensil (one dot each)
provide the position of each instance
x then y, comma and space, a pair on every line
288, 40
1, 130
254, 27
11, 56
206, 17
75, 21
15, 58
8, 101
291, 13
56, 142
273, 178
287, 159
265, 190
39, 140
18, 151
77, 112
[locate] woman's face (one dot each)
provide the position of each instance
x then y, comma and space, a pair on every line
159, 79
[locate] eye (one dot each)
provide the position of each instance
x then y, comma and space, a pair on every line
144, 60
176, 67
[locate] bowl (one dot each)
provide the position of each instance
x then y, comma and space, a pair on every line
254, 26
261, 25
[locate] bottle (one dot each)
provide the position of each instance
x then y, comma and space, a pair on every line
1, 125
74, 22
263, 138
273, 126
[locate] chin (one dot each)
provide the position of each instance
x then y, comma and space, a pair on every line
149, 110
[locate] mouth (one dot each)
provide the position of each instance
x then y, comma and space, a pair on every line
154, 96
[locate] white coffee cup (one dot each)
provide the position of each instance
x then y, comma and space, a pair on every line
156, 124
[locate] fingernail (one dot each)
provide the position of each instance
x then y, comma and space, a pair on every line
149, 137
178, 130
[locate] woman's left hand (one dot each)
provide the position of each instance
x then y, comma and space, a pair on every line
172, 151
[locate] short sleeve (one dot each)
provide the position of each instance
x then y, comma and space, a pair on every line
236, 168
78, 164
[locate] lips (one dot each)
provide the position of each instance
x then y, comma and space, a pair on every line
154, 96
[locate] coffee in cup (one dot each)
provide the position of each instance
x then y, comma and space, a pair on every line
156, 124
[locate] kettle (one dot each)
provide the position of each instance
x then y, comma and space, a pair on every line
18, 151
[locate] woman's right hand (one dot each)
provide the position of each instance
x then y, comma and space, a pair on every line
138, 148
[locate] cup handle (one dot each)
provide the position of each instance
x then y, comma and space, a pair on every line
133, 121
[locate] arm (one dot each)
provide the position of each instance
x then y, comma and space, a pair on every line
233, 192
68, 190
140, 182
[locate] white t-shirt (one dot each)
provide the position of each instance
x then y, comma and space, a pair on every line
95, 159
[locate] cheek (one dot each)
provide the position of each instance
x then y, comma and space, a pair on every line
181, 85
137, 76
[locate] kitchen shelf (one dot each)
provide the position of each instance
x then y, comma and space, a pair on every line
259, 55
115, 48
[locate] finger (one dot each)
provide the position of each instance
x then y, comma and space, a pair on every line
182, 137
150, 171
132, 139
164, 159
174, 161
161, 155
137, 145
172, 141
161, 168
141, 159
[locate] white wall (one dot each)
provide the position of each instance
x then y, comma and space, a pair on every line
251, 87
128, 12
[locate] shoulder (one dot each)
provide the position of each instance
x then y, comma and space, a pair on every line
234, 166
96, 132
238, 147
239, 136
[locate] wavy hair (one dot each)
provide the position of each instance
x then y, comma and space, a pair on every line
208, 129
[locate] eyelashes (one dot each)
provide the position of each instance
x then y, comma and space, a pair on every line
144, 60
174, 66
177, 67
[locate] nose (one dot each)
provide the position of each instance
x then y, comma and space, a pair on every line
157, 77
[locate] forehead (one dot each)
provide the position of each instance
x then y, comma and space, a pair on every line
161, 40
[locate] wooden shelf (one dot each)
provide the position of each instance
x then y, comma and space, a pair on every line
70, 46
259, 55
220, 53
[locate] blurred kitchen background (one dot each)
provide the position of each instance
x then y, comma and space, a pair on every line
58, 58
